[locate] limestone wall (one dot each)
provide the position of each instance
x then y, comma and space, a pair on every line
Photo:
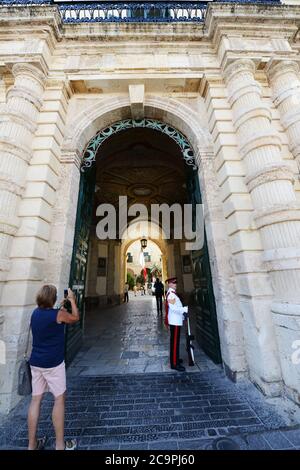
232, 87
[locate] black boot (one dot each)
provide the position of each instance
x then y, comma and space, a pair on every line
179, 368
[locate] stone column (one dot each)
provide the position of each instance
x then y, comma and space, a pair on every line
285, 83
277, 215
18, 123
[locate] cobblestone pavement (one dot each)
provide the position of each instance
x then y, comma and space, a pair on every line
137, 409
130, 338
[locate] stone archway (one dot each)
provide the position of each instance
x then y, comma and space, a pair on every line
194, 126
95, 143
159, 240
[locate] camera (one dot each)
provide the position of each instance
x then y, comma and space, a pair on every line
67, 304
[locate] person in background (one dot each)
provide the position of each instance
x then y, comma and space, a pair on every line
48, 365
159, 292
126, 295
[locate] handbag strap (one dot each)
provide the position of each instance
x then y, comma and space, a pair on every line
27, 342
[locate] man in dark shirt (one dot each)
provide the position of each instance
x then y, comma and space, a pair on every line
159, 292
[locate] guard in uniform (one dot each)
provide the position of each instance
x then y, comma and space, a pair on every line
176, 316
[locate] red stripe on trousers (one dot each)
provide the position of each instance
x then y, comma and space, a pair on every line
175, 346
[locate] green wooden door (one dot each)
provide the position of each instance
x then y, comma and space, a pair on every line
207, 333
74, 333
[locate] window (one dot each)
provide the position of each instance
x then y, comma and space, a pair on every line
129, 258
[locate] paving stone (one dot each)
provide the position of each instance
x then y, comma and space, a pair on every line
293, 436
157, 410
163, 445
257, 442
277, 440
130, 354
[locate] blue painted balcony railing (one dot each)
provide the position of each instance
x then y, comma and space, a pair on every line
146, 11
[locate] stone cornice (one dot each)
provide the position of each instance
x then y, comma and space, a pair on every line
259, 30
222, 18
34, 18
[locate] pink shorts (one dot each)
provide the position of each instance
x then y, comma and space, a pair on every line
49, 380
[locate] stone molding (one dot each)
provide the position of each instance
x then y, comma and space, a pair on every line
238, 66
8, 224
282, 259
11, 184
276, 68
269, 173
250, 112
278, 213
21, 119
71, 158
25, 68
5, 264
262, 140
25, 93
20, 151
291, 117
175, 112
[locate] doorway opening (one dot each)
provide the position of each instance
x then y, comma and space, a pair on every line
148, 163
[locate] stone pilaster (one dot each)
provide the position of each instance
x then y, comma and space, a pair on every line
276, 211
60, 246
230, 321
18, 123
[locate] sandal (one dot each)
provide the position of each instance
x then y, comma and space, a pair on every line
40, 443
71, 444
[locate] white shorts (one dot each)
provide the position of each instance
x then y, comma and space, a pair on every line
49, 380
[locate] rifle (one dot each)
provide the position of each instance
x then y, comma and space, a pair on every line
189, 345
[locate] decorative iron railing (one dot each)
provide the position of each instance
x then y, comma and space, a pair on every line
146, 11
134, 12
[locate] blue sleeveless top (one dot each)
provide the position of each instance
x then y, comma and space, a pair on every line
48, 338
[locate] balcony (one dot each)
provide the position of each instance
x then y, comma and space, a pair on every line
131, 11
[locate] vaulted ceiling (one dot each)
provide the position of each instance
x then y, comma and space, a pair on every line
142, 164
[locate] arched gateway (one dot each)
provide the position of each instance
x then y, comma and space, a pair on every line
202, 292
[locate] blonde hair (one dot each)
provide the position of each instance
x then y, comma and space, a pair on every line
46, 296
